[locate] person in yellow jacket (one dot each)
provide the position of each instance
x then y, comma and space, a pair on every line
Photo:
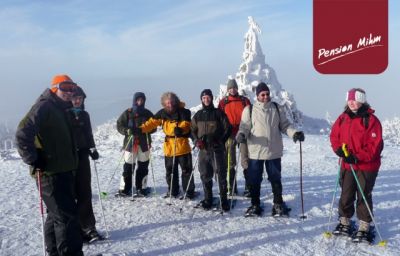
175, 120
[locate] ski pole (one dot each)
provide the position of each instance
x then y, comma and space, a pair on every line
234, 180
346, 154
219, 187
41, 209
328, 233
100, 200
382, 242
301, 184
151, 163
133, 171
172, 174
190, 179
229, 165
104, 194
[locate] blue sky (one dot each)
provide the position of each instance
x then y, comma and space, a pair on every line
114, 48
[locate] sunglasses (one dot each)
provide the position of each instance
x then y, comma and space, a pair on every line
67, 87
264, 94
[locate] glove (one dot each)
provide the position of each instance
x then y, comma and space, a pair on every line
200, 144
350, 159
240, 138
339, 152
298, 136
94, 154
178, 131
39, 164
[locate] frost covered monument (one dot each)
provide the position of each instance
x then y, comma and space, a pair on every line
253, 70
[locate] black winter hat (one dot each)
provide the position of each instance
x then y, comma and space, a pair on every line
232, 84
138, 95
79, 92
261, 87
207, 92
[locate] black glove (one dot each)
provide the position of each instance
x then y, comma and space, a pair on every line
298, 136
350, 159
240, 138
39, 164
178, 131
339, 152
94, 154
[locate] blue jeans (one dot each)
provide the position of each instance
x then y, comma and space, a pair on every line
273, 168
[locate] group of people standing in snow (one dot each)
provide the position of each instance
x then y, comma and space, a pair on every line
56, 140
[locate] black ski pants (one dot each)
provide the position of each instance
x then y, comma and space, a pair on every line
62, 230
185, 162
83, 190
213, 163
350, 190
255, 175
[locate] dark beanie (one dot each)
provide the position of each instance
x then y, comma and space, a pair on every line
232, 84
261, 87
138, 95
206, 92
79, 92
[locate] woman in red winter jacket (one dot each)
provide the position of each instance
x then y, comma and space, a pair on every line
360, 132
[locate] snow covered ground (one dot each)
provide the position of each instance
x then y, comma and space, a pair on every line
151, 227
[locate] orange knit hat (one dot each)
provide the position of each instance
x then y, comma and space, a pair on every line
58, 79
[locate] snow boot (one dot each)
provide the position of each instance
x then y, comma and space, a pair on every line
344, 227
226, 207
205, 204
92, 236
363, 235
123, 193
280, 210
254, 210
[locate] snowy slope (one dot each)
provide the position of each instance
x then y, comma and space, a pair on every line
151, 227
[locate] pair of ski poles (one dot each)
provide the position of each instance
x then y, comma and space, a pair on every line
104, 193
39, 181
328, 234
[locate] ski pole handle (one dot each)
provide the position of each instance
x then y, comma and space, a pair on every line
345, 151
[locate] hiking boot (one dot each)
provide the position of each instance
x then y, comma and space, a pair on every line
205, 204
225, 205
344, 227
92, 236
123, 193
254, 210
277, 210
361, 236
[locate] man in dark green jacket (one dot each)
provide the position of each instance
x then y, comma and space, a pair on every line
45, 142
136, 145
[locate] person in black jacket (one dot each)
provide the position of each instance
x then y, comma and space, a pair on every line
210, 130
45, 142
136, 145
82, 130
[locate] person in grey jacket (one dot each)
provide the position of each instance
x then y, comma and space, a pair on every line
262, 126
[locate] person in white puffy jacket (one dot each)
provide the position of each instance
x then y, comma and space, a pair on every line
262, 125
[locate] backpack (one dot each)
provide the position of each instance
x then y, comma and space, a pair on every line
227, 101
273, 102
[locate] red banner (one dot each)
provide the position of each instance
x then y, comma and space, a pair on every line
350, 36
